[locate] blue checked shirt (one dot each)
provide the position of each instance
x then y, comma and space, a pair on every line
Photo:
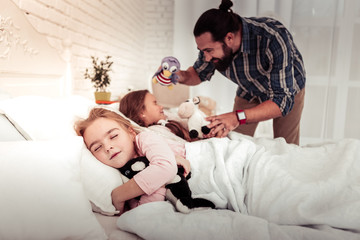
268, 65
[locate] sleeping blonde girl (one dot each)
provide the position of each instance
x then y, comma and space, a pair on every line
114, 141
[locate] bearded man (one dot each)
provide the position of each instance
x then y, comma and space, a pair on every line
260, 56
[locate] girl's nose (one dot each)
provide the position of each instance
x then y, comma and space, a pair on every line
108, 148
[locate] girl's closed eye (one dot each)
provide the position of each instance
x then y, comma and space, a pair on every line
96, 148
114, 136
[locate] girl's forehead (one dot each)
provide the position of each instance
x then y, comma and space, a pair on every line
105, 122
101, 125
149, 97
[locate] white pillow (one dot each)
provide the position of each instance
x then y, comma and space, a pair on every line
46, 118
9, 130
99, 180
42, 196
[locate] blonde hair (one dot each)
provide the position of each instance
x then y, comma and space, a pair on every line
81, 125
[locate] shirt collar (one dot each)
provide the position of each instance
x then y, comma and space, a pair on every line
245, 37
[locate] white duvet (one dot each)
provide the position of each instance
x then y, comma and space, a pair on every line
263, 189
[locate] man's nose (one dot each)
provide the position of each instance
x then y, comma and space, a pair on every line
208, 57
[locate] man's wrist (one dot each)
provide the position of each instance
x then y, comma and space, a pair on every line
241, 117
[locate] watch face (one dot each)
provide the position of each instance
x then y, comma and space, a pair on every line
241, 115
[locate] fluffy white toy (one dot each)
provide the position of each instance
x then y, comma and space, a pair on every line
196, 118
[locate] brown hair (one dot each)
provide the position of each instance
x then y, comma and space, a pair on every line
133, 104
81, 125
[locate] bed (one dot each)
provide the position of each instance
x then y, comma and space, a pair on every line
53, 188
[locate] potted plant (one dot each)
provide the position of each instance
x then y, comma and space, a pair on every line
99, 76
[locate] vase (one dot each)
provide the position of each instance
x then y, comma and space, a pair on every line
102, 96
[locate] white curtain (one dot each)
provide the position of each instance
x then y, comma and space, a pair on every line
327, 32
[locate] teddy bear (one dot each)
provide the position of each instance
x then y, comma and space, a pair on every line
196, 118
177, 191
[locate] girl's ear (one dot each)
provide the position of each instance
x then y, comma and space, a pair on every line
132, 133
142, 118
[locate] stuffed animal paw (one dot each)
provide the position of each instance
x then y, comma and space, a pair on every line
179, 194
166, 75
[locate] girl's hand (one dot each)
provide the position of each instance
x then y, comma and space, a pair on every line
120, 206
124, 192
184, 163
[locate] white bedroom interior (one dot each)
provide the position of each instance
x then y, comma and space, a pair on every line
139, 33
53, 187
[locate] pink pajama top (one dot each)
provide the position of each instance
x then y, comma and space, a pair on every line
162, 167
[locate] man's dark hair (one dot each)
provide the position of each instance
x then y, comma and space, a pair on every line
218, 21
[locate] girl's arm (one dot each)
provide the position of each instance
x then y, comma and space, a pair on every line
127, 191
162, 167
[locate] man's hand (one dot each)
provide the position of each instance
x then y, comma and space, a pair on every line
221, 125
188, 77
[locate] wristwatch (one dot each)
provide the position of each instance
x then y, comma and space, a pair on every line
240, 114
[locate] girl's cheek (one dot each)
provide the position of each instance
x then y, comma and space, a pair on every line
99, 157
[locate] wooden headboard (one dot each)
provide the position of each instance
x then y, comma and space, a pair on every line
28, 64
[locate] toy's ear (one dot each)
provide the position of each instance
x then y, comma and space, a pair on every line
196, 100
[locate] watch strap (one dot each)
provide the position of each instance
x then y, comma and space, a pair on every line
241, 120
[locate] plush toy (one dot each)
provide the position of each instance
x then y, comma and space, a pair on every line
177, 191
166, 74
196, 118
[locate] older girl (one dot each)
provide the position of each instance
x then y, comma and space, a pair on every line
141, 107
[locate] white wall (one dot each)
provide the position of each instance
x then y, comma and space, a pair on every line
136, 33
185, 49
139, 33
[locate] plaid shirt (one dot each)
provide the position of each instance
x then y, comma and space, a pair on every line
268, 65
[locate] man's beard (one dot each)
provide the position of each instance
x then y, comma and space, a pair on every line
223, 63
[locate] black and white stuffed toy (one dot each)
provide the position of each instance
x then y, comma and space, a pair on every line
195, 118
177, 191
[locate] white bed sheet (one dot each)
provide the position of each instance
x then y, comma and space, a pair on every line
284, 192
112, 231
